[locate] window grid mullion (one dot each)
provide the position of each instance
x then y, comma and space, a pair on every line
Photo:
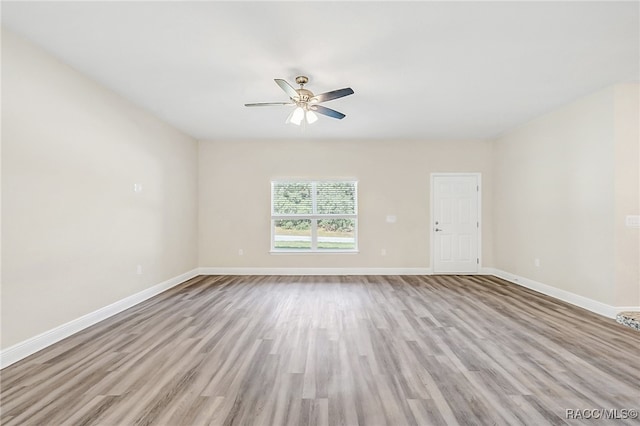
314, 211
314, 216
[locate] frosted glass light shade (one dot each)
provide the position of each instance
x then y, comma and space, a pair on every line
311, 117
297, 116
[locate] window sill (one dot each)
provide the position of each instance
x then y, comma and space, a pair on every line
309, 252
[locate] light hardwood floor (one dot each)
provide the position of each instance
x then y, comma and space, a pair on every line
366, 350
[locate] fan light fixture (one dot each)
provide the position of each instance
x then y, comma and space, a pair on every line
296, 116
299, 114
311, 117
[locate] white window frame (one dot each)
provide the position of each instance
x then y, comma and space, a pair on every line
314, 217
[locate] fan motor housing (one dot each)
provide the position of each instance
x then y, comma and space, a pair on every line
304, 94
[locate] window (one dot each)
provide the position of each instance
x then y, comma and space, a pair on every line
314, 216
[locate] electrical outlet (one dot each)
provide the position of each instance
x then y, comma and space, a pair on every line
536, 262
137, 187
632, 221
240, 252
139, 269
383, 252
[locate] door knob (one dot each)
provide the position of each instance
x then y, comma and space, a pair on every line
438, 229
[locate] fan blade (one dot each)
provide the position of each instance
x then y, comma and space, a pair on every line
328, 111
290, 91
269, 104
335, 94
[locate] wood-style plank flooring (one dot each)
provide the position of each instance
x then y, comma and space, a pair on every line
357, 350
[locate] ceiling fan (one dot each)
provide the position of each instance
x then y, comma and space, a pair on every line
306, 102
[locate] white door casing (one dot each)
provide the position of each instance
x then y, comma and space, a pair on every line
455, 223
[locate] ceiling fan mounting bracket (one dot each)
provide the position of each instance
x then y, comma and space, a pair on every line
302, 80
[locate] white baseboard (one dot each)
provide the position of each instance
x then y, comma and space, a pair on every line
315, 271
628, 309
30, 346
566, 296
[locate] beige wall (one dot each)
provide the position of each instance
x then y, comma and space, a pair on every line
557, 198
627, 193
393, 176
73, 230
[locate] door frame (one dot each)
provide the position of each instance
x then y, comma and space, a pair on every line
432, 233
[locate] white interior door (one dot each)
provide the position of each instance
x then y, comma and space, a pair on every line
455, 223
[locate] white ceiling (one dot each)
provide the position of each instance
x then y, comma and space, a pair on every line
420, 70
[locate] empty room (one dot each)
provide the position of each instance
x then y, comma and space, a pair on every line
320, 213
